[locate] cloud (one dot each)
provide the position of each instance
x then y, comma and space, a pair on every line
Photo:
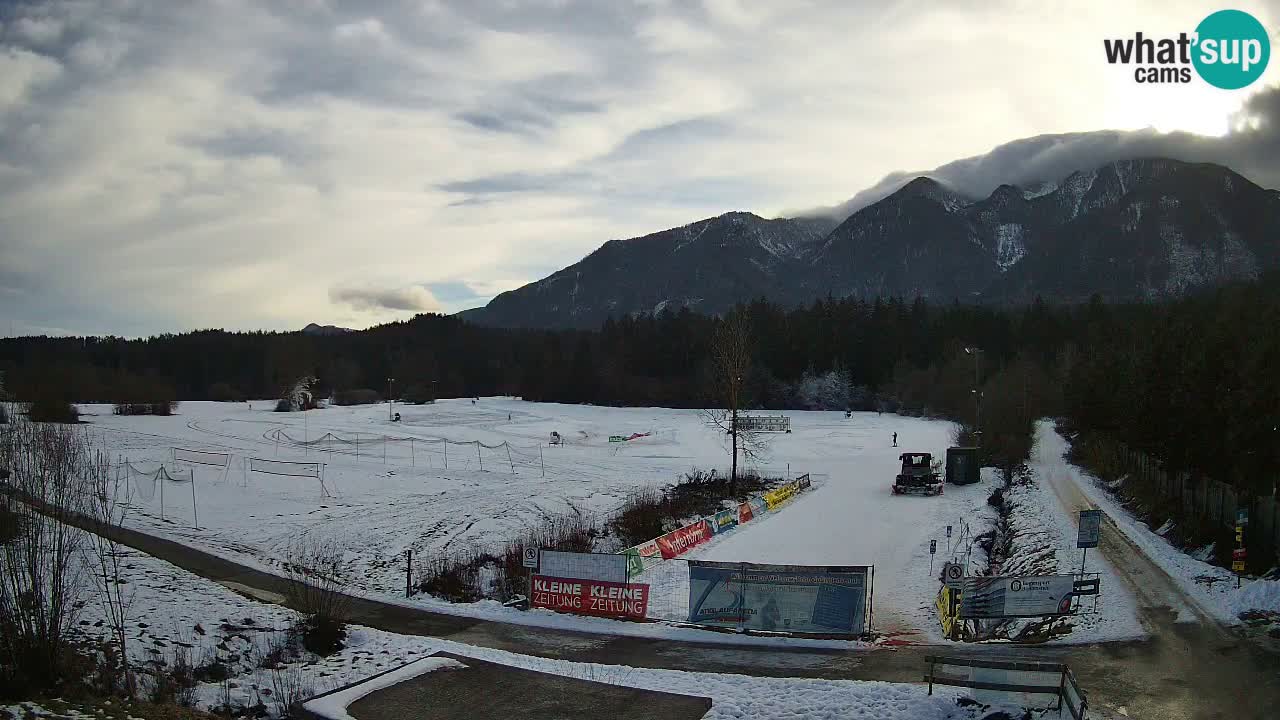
414, 298
1250, 148
225, 163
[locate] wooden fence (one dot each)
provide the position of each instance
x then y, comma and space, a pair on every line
1199, 499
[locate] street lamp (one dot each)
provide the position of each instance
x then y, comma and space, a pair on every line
390, 402
977, 393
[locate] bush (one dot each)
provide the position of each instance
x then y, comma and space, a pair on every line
475, 574
315, 590
360, 396
418, 394
648, 513
224, 392
164, 408
50, 409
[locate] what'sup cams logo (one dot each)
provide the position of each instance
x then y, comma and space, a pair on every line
1228, 50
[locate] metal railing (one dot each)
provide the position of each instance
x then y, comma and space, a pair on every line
1066, 688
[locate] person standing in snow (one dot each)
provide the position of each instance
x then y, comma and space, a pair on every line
895, 439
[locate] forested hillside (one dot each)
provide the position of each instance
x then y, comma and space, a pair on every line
1191, 381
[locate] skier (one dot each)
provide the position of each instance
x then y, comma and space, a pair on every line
895, 439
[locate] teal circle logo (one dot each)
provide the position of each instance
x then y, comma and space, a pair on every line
1232, 49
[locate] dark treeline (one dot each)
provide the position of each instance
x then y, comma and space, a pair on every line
1192, 382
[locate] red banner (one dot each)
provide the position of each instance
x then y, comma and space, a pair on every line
591, 597
744, 513
676, 542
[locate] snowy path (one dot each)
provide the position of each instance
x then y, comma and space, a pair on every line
1157, 591
854, 519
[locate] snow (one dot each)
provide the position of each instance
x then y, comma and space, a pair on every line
396, 496
334, 705
1213, 589
174, 602
1048, 542
1010, 246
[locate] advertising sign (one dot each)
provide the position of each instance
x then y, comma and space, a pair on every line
591, 597
948, 605
677, 542
1090, 529
724, 520
607, 567
778, 598
642, 557
744, 513
1029, 596
775, 498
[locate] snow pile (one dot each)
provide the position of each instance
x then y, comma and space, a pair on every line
1211, 588
334, 705
1257, 596
1042, 541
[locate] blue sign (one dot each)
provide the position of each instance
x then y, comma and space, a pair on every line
778, 598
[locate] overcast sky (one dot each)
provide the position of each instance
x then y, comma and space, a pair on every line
170, 165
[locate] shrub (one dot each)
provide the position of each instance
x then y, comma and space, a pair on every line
225, 392
165, 408
476, 574
360, 396
650, 512
418, 394
313, 568
53, 410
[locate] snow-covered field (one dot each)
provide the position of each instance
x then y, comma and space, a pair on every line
398, 496
174, 609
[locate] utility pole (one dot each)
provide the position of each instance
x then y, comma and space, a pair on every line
390, 402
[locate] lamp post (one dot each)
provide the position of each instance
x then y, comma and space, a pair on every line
390, 402
977, 392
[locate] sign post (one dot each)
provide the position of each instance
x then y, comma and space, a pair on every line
1239, 554
1090, 533
933, 548
948, 538
530, 562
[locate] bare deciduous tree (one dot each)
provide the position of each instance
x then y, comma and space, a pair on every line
40, 563
731, 367
105, 506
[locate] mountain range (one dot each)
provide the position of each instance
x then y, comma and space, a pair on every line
1141, 229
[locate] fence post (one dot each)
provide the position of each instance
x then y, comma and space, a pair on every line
408, 572
1062, 685
478, 456
931, 669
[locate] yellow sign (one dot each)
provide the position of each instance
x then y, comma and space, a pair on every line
948, 600
1239, 535
1237, 566
775, 498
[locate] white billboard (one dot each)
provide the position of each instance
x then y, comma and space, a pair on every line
1024, 596
605, 567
